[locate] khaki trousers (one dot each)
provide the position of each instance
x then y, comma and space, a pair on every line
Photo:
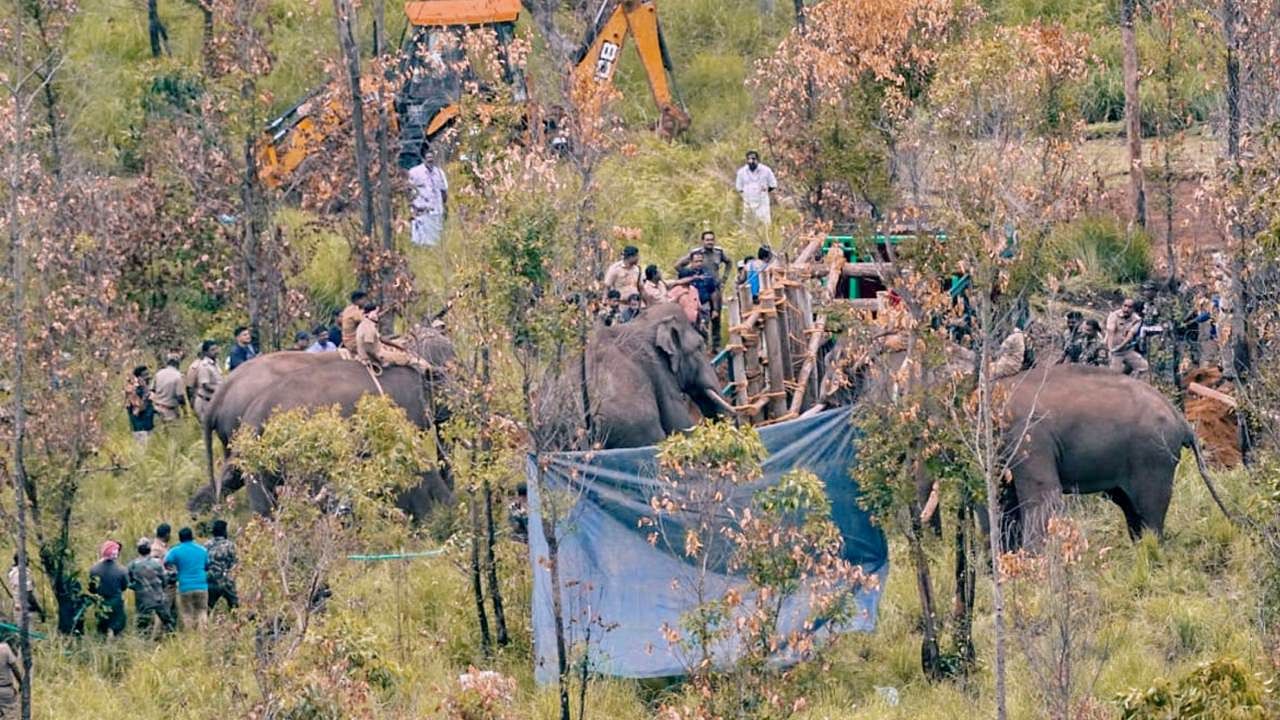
193, 607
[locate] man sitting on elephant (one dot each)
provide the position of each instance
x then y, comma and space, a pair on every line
349, 320
373, 351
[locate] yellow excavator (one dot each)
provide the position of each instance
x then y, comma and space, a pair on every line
434, 72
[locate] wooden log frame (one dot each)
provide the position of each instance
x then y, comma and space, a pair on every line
775, 370
737, 350
750, 348
817, 335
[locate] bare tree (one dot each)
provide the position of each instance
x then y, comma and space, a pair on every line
1133, 112
344, 18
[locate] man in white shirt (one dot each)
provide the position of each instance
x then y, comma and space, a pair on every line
755, 182
431, 194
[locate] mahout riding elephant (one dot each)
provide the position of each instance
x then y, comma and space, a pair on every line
288, 380
642, 376
1068, 429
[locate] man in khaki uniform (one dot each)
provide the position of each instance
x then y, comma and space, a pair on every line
208, 376
169, 390
372, 351
350, 319
1123, 326
10, 682
624, 275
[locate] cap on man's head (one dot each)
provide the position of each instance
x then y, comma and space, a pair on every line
630, 251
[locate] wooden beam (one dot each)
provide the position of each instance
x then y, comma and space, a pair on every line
751, 345
817, 335
1209, 392
737, 361
867, 269
775, 371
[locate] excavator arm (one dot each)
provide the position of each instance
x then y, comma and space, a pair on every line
598, 60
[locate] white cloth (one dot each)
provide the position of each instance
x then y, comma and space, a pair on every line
754, 185
429, 186
427, 229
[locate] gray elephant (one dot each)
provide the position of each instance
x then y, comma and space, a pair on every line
1069, 429
642, 377
288, 380
1081, 429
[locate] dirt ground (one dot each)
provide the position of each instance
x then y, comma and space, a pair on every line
1214, 422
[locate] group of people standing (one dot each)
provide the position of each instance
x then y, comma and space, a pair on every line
170, 584
701, 275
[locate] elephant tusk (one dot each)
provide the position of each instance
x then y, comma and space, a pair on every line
721, 403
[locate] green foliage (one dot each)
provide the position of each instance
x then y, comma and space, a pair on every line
1100, 252
364, 460
1222, 689
715, 449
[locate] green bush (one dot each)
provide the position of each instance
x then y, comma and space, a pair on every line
1219, 689
1098, 249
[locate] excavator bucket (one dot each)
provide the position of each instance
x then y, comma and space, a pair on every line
444, 13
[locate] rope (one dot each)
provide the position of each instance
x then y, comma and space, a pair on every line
397, 556
374, 377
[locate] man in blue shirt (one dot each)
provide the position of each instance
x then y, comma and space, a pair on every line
322, 342
191, 561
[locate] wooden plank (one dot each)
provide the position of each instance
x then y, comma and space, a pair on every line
1209, 392
751, 345
774, 367
737, 361
809, 252
806, 307
783, 312
867, 269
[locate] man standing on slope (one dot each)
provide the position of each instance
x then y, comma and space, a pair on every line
169, 390
191, 561
430, 198
754, 183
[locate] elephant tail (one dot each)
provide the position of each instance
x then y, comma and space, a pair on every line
1194, 444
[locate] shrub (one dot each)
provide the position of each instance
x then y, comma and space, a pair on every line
1098, 249
1222, 688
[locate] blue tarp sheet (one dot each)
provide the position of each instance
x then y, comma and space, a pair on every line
622, 589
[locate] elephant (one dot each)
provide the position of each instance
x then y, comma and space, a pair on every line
1081, 429
288, 380
641, 377
1068, 429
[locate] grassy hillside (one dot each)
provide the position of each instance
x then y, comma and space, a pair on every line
1155, 609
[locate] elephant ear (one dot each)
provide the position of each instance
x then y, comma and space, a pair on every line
668, 341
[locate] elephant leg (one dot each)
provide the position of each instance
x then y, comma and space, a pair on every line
203, 499
1150, 494
262, 498
1131, 516
1039, 497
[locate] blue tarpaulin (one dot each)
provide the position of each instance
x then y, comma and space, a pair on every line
621, 589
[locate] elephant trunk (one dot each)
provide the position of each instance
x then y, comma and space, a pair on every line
723, 405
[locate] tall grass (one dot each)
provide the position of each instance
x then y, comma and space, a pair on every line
1099, 252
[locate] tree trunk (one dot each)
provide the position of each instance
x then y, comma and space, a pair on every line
553, 562
344, 17
477, 585
491, 560
966, 580
988, 452
383, 140
1132, 112
1230, 37
156, 30
17, 276
930, 657
251, 236
799, 4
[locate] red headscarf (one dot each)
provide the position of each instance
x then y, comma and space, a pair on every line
110, 550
